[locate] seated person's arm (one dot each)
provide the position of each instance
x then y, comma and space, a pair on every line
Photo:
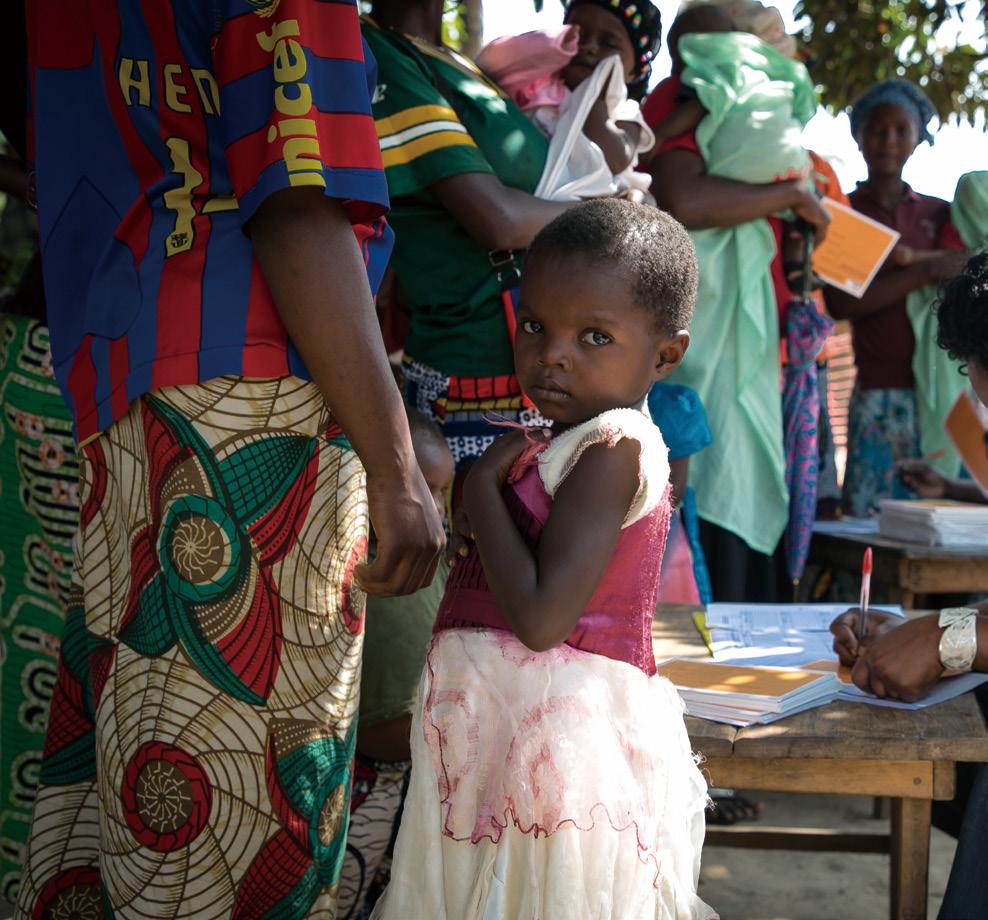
618, 140
683, 187
495, 215
900, 658
926, 482
891, 286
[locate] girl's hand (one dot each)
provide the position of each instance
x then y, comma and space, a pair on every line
461, 536
846, 644
498, 459
921, 478
903, 255
946, 264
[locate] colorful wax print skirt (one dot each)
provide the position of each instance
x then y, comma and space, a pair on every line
882, 428
39, 496
555, 784
198, 756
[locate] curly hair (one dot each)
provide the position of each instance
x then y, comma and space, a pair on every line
652, 248
962, 313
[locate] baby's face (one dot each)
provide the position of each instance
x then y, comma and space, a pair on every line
601, 35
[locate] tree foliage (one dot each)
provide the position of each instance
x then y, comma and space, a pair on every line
463, 25
851, 45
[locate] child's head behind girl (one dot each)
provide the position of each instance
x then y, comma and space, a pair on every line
632, 30
606, 300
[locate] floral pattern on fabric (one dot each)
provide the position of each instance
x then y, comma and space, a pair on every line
882, 429
198, 756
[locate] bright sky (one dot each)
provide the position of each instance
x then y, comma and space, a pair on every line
931, 170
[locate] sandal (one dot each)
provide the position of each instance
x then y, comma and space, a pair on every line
727, 807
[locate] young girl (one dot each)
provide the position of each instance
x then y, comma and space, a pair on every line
580, 86
889, 121
553, 775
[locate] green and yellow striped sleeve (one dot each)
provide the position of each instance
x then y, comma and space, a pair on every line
422, 139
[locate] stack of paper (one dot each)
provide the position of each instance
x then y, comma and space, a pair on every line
740, 695
934, 523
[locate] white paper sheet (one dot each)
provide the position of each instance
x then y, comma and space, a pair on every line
945, 690
782, 635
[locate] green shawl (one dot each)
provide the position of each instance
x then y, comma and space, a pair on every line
758, 102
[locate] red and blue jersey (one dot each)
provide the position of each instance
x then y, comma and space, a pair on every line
159, 127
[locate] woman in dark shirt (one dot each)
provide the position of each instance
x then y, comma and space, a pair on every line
889, 121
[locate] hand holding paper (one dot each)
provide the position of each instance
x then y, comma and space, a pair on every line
855, 248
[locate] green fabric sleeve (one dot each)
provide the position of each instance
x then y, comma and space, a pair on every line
422, 137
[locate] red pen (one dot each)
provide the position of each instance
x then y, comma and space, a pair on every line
865, 594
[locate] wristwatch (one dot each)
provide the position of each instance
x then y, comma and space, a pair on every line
959, 642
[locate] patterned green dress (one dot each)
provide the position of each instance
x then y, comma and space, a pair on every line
39, 499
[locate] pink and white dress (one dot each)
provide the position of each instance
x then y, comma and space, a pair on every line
556, 784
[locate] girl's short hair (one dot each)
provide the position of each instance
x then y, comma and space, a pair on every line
962, 313
652, 248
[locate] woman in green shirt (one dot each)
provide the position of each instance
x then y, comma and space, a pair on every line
462, 161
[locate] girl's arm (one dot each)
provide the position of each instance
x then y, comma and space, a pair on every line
893, 285
542, 596
618, 140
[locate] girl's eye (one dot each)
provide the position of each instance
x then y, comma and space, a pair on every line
531, 327
595, 337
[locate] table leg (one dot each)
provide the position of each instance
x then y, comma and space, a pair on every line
910, 863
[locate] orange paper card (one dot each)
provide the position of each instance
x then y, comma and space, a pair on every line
725, 678
854, 249
842, 671
967, 432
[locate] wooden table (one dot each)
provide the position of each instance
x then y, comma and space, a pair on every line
841, 748
903, 572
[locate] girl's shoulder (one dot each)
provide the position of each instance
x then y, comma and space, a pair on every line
611, 427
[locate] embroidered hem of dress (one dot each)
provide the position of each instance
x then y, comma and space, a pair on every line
498, 823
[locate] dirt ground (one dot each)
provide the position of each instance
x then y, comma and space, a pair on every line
779, 885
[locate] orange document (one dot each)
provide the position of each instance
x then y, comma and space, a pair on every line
967, 433
854, 249
832, 665
713, 677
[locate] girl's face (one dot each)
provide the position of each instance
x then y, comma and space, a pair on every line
601, 35
887, 140
583, 345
